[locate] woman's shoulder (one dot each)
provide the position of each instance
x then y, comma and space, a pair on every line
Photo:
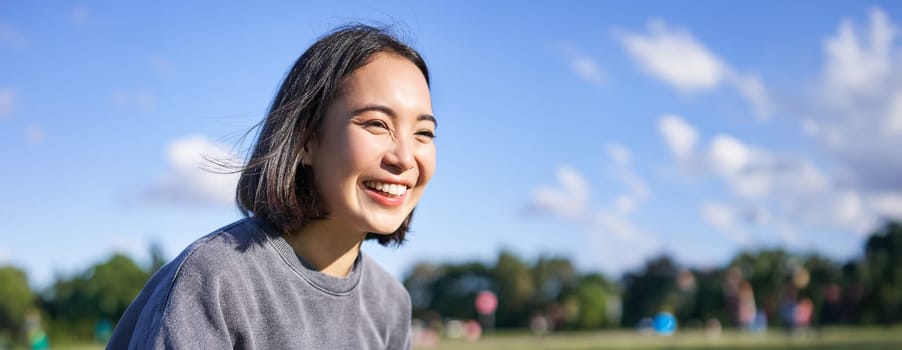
382, 282
221, 249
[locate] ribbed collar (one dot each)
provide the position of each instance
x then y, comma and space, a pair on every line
338, 286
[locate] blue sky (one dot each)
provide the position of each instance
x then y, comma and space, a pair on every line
607, 132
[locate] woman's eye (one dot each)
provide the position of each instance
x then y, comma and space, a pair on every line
426, 133
375, 124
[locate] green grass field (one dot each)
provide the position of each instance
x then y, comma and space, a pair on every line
871, 338
834, 338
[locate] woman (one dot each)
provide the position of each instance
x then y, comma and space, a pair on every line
344, 155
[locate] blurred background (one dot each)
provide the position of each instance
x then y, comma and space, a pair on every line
610, 175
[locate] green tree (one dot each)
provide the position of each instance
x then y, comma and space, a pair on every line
708, 298
103, 292
650, 291
15, 299
516, 290
770, 273
591, 299
883, 259
419, 284
553, 277
454, 292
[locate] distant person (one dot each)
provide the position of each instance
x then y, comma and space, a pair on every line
343, 155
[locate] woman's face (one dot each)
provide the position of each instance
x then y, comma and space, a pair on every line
375, 154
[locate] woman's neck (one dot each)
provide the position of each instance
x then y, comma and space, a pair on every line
329, 248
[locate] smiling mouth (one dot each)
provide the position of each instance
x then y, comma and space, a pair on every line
386, 189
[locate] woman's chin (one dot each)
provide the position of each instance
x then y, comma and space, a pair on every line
384, 231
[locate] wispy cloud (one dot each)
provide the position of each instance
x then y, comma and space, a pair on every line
7, 101
619, 154
857, 114
192, 178
637, 190
80, 14
676, 57
800, 194
161, 65
611, 232
34, 134
679, 136
724, 219
141, 100
570, 199
584, 66
10, 37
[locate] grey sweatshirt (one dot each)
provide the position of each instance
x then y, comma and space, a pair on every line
243, 286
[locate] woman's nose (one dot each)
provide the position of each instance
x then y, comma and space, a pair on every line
401, 155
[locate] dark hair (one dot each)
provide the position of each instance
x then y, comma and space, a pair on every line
274, 185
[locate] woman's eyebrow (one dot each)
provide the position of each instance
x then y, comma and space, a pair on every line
391, 113
428, 117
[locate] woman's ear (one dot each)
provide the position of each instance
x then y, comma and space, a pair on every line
307, 155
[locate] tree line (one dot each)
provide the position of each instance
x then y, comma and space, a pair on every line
772, 284
864, 290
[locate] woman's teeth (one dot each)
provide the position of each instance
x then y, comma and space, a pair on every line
390, 189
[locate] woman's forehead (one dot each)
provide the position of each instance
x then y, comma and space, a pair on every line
388, 80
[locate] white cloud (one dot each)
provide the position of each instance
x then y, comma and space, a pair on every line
618, 243
5, 257
11, 38
727, 155
141, 100
888, 204
679, 135
570, 201
858, 105
584, 66
801, 195
619, 154
857, 64
848, 211
637, 190
893, 124
35, 134
674, 56
192, 178
7, 101
617, 240
80, 14
725, 220
611, 223
753, 90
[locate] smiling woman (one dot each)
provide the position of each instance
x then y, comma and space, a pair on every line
343, 155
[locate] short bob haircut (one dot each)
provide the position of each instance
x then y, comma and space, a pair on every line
274, 185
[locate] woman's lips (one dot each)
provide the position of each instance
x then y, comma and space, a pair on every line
382, 194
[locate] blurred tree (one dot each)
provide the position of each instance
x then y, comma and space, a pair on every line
15, 299
553, 277
823, 276
650, 291
157, 257
454, 292
708, 298
769, 272
516, 290
419, 284
590, 302
883, 257
103, 292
